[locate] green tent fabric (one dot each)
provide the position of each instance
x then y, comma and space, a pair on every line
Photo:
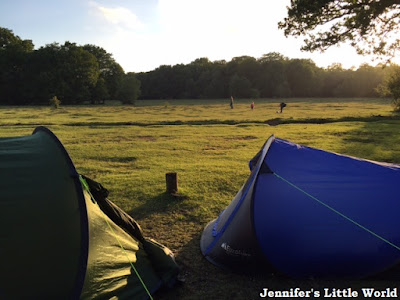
61, 238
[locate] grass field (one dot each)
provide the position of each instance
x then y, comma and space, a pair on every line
129, 149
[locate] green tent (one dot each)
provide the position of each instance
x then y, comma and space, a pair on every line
61, 238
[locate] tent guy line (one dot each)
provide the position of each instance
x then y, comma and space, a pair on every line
271, 222
337, 212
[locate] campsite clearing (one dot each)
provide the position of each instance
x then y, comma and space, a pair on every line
129, 149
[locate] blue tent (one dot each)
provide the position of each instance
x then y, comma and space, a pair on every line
309, 212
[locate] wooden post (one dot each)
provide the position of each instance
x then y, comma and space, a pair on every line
172, 182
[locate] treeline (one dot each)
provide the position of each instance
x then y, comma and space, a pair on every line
272, 75
72, 73
76, 74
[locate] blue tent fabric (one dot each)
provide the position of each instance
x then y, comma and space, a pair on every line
314, 213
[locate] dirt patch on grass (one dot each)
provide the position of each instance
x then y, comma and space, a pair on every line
243, 138
147, 138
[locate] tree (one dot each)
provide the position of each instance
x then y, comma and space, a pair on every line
240, 87
391, 86
44, 74
14, 53
217, 88
271, 57
371, 26
130, 89
301, 75
366, 78
81, 71
272, 80
333, 78
246, 66
99, 92
9, 41
110, 70
68, 71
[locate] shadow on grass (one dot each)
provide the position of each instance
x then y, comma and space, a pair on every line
161, 203
376, 118
203, 280
374, 140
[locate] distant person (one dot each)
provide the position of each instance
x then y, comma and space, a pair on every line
231, 102
282, 105
252, 105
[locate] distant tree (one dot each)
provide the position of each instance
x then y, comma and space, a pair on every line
272, 80
366, 79
217, 87
100, 92
161, 81
247, 67
81, 70
391, 86
14, 55
344, 86
198, 66
110, 70
130, 89
332, 78
44, 75
272, 56
240, 86
68, 71
370, 26
177, 81
200, 71
9, 41
301, 75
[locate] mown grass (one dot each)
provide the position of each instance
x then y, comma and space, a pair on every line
129, 150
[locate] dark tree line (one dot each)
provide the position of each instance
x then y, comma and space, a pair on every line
72, 73
76, 74
272, 75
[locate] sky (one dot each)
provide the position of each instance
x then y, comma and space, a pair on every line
145, 34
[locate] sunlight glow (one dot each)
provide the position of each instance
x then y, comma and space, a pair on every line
181, 31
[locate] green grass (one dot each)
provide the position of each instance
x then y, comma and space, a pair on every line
187, 113
129, 150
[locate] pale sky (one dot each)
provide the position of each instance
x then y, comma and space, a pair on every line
144, 34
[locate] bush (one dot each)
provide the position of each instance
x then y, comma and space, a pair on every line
55, 102
396, 105
391, 86
129, 90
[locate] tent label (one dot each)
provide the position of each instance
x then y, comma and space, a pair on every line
235, 252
